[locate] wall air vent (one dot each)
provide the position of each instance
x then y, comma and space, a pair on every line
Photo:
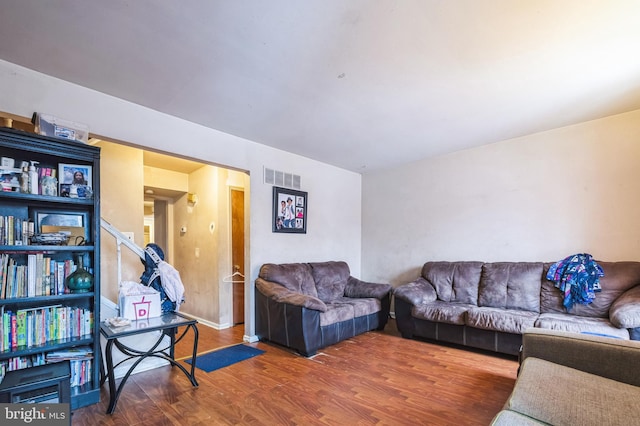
279, 178
269, 176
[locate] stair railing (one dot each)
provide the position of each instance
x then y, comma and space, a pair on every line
121, 239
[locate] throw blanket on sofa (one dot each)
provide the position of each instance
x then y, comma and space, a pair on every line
578, 277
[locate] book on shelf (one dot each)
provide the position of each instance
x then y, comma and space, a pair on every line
15, 230
26, 328
78, 352
41, 276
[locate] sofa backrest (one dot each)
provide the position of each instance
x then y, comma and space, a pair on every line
330, 279
294, 276
511, 285
618, 278
454, 281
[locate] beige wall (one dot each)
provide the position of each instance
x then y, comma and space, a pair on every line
540, 198
203, 253
121, 183
196, 251
166, 179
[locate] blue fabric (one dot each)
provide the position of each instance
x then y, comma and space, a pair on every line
578, 277
224, 357
599, 334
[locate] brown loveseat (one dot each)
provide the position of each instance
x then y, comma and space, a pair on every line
308, 306
489, 305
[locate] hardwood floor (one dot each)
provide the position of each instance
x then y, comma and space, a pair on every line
375, 378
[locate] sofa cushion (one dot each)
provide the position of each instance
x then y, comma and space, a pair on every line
294, 276
560, 395
618, 278
416, 292
511, 285
550, 297
361, 306
439, 311
336, 312
578, 324
625, 311
454, 281
504, 320
330, 278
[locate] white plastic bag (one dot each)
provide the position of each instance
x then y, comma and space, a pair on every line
171, 282
137, 301
131, 288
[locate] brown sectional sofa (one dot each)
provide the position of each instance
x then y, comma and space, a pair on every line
308, 306
490, 305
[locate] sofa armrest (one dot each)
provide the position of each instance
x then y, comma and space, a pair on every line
416, 292
357, 289
281, 294
625, 310
615, 359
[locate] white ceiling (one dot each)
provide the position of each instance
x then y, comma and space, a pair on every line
361, 84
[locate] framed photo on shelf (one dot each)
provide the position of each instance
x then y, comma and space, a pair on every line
289, 211
75, 224
75, 180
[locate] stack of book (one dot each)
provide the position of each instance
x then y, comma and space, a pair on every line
81, 361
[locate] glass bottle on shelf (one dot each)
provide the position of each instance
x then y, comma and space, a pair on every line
79, 281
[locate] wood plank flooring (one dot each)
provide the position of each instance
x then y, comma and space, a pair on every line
375, 378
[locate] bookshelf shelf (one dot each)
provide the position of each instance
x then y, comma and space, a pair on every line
39, 316
44, 249
44, 199
49, 347
44, 300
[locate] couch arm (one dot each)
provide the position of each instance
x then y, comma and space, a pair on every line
615, 359
281, 294
625, 310
357, 288
416, 292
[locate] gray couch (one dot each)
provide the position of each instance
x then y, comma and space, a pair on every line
489, 305
308, 306
574, 379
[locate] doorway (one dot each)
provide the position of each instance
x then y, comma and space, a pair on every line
156, 221
237, 253
199, 218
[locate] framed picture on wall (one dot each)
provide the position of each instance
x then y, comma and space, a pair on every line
289, 211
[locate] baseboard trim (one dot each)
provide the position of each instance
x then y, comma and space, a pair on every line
250, 339
208, 323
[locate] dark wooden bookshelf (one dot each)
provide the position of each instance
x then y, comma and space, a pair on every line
50, 153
